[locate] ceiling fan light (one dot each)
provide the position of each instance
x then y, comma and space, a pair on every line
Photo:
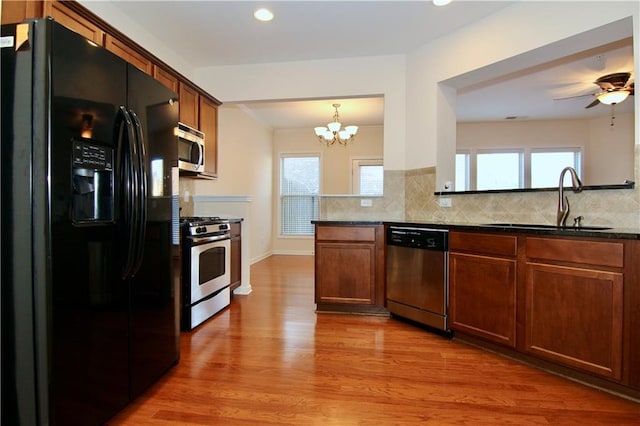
615, 97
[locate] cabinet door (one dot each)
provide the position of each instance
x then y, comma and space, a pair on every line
75, 22
574, 317
345, 273
483, 297
13, 12
188, 105
208, 112
128, 53
165, 77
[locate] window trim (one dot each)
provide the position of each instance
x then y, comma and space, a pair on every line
356, 163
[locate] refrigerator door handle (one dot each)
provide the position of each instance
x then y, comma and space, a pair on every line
141, 204
128, 184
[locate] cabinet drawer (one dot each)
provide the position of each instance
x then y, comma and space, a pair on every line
346, 233
486, 244
577, 251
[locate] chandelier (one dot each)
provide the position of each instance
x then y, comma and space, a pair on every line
332, 133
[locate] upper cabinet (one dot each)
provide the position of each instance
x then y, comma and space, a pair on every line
198, 109
208, 120
201, 112
166, 77
128, 53
189, 105
73, 20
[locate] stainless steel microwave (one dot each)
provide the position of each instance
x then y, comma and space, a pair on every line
190, 148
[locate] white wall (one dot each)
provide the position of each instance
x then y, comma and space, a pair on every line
245, 167
601, 143
512, 31
339, 78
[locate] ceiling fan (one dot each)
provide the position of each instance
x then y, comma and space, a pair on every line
614, 88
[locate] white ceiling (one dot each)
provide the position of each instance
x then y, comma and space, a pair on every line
218, 33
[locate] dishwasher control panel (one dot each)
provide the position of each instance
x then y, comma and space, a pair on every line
422, 238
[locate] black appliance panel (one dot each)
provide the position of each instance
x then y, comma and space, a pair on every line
66, 313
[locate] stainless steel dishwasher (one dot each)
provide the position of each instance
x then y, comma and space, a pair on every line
418, 275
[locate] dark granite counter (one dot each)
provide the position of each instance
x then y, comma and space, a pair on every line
534, 229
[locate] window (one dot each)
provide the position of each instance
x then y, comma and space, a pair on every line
547, 165
513, 168
499, 170
299, 189
462, 171
367, 176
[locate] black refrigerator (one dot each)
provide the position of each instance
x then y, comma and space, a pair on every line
89, 305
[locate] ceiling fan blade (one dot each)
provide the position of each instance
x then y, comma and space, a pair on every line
573, 97
592, 104
613, 81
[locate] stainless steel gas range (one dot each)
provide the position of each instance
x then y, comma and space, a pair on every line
206, 276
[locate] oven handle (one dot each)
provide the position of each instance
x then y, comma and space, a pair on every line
209, 239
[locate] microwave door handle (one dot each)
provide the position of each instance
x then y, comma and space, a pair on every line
200, 154
141, 202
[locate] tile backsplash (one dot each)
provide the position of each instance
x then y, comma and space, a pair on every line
409, 195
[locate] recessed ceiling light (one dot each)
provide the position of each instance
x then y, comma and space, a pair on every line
441, 2
263, 14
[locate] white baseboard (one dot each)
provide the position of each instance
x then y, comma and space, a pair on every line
259, 258
294, 252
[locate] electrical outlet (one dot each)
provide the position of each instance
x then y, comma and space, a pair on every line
445, 202
366, 202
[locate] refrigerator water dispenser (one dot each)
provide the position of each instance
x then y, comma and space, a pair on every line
93, 197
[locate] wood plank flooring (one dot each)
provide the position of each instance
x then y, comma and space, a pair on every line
269, 359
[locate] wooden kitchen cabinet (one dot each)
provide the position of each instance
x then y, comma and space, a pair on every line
74, 21
166, 77
189, 105
349, 268
201, 112
208, 122
482, 280
236, 255
574, 303
128, 53
17, 11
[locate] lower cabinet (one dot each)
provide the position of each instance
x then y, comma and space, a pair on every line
564, 301
483, 297
349, 268
574, 313
482, 280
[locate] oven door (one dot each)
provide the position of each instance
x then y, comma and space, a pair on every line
210, 267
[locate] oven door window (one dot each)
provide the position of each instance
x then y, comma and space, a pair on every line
211, 264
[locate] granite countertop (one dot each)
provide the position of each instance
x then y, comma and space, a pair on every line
586, 231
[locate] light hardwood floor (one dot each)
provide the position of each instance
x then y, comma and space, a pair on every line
269, 359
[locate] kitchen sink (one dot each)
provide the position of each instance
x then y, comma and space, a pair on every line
542, 226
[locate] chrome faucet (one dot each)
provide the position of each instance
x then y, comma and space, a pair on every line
563, 201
